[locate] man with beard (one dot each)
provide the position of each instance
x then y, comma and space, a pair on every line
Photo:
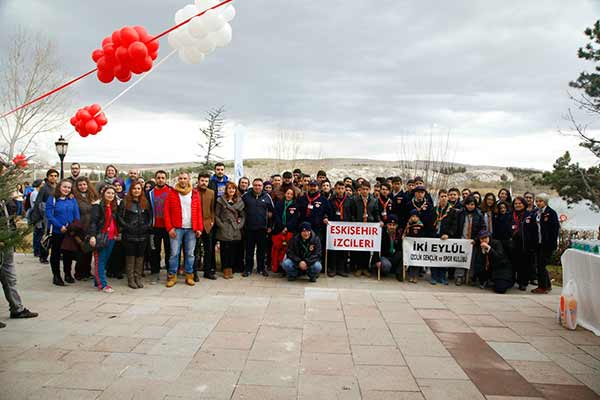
159, 235
206, 246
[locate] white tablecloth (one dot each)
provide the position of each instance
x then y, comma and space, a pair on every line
584, 269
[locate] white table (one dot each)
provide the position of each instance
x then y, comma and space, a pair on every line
584, 269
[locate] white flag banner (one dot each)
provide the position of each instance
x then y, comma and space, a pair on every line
355, 236
238, 145
430, 252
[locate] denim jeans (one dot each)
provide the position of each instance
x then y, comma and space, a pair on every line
438, 274
101, 257
187, 238
291, 268
8, 278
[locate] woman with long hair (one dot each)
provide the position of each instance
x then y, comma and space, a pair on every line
86, 195
103, 233
19, 198
285, 225
110, 173
135, 222
62, 211
504, 195
116, 263
488, 209
520, 257
230, 218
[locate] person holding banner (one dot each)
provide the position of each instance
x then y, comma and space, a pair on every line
341, 205
365, 209
491, 264
390, 256
314, 208
285, 225
303, 255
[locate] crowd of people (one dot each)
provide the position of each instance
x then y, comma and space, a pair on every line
118, 228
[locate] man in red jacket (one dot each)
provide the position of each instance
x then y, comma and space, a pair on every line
183, 221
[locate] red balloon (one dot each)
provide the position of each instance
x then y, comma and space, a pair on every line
101, 119
152, 46
91, 126
83, 115
97, 54
94, 108
125, 78
106, 40
128, 36
121, 72
141, 31
137, 51
116, 38
73, 121
105, 76
147, 64
122, 55
83, 134
109, 50
80, 125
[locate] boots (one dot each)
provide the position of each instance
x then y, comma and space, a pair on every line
189, 279
171, 280
129, 267
227, 273
138, 270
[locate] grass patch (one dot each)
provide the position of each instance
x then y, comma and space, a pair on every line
555, 272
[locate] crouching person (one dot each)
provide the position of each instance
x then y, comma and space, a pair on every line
491, 264
389, 259
303, 255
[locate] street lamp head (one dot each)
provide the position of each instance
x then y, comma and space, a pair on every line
61, 147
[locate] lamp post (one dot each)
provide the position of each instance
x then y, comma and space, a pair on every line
61, 148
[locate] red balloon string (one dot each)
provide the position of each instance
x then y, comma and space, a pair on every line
95, 69
72, 81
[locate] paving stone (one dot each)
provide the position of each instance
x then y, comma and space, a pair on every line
251, 392
115, 344
444, 389
434, 367
64, 394
325, 344
269, 373
326, 364
377, 355
371, 336
498, 334
391, 395
553, 345
220, 359
543, 372
518, 351
385, 378
229, 340
313, 387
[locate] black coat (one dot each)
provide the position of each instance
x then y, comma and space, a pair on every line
359, 209
320, 210
296, 252
292, 217
346, 208
457, 223
426, 215
500, 266
549, 225
135, 223
384, 208
97, 221
503, 226
257, 210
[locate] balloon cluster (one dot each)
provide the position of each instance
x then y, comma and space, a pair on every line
129, 50
20, 161
203, 34
89, 120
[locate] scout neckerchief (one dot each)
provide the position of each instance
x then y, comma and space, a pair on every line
339, 204
286, 204
305, 247
517, 219
440, 214
422, 207
310, 202
392, 237
384, 207
365, 211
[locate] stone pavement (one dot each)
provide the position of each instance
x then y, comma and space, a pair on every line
266, 338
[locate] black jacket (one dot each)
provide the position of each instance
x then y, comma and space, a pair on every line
457, 223
386, 248
549, 226
309, 252
426, 215
134, 222
97, 220
359, 209
342, 210
503, 226
384, 208
500, 267
320, 210
292, 216
257, 210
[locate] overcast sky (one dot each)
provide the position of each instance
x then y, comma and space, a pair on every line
358, 78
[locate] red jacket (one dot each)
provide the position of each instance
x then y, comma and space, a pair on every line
173, 213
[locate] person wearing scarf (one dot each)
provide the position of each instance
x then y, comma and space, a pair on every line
103, 224
184, 223
341, 211
390, 256
442, 211
491, 264
303, 255
414, 228
314, 208
119, 185
384, 202
469, 223
285, 226
520, 257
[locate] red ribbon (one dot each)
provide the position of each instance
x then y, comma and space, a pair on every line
50, 93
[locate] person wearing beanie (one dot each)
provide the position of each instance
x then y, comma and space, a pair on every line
541, 237
491, 265
414, 228
424, 208
287, 183
303, 255
389, 259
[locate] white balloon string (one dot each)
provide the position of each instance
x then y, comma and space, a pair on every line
138, 80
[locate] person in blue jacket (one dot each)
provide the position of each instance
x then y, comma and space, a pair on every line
259, 209
61, 211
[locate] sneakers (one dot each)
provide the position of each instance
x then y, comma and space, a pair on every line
459, 281
433, 282
245, 274
357, 273
312, 278
23, 314
211, 277
107, 289
44, 261
291, 278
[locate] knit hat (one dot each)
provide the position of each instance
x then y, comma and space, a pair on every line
483, 234
305, 226
313, 183
268, 183
413, 212
420, 188
392, 218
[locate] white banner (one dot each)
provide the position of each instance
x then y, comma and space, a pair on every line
355, 236
430, 252
238, 145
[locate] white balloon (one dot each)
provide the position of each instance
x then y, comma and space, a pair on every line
179, 17
228, 13
193, 56
189, 11
223, 36
174, 41
197, 28
205, 4
185, 38
207, 45
213, 20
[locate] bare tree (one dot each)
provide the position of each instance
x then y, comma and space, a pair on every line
212, 136
29, 69
287, 146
